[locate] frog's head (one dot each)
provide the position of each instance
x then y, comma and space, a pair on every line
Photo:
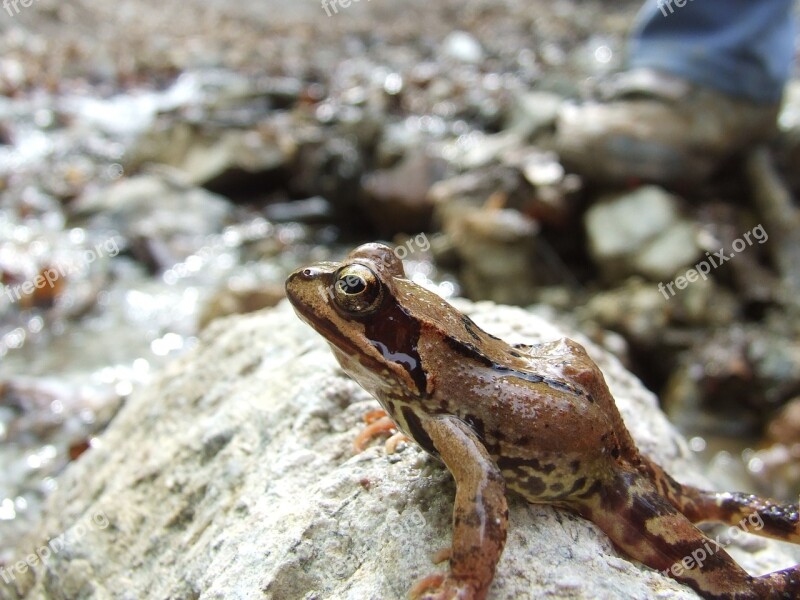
354, 305
347, 293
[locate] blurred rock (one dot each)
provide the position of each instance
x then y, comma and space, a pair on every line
640, 233
731, 381
213, 156
705, 304
721, 224
636, 309
399, 139
397, 198
775, 357
776, 467
175, 216
776, 471
474, 188
41, 419
701, 403
479, 149
6, 137
639, 310
784, 428
497, 249
309, 210
330, 166
789, 134
554, 200
781, 218
542, 169
239, 297
533, 112
463, 47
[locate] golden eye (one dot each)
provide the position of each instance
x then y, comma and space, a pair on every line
357, 290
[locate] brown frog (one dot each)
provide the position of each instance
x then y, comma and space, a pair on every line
538, 420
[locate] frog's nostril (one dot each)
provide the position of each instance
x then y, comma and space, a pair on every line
307, 273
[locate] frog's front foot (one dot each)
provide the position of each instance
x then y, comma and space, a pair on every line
442, 587
379, 423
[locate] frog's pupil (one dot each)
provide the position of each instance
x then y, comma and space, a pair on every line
352, 284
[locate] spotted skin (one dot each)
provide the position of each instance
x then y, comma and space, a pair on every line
537, 420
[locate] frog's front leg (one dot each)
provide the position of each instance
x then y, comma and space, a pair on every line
641, 521
480, 515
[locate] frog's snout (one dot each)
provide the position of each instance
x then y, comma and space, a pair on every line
296, 281
306, 283
305, 274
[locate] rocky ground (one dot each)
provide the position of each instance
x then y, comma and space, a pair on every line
165, 164
233, 476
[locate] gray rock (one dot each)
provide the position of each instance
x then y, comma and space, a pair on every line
479, 149
533, 112
639, 310
635, 308
640, 233
462, 47
309, 210
158, 210
232, 476
208, 155
498, 251
397, 198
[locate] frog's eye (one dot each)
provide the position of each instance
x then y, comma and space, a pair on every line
357, 290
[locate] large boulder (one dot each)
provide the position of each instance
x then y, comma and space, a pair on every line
233, 476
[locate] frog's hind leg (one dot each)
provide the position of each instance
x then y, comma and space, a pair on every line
750, 513
645, 525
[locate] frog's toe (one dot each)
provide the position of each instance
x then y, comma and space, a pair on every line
441, 587
374, 415
442, 555
394, 441
424, 586
379, 426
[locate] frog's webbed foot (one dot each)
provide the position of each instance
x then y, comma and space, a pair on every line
644, 523
480, 514
753, 514
378, 423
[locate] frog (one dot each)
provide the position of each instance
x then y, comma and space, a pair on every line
536, 420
